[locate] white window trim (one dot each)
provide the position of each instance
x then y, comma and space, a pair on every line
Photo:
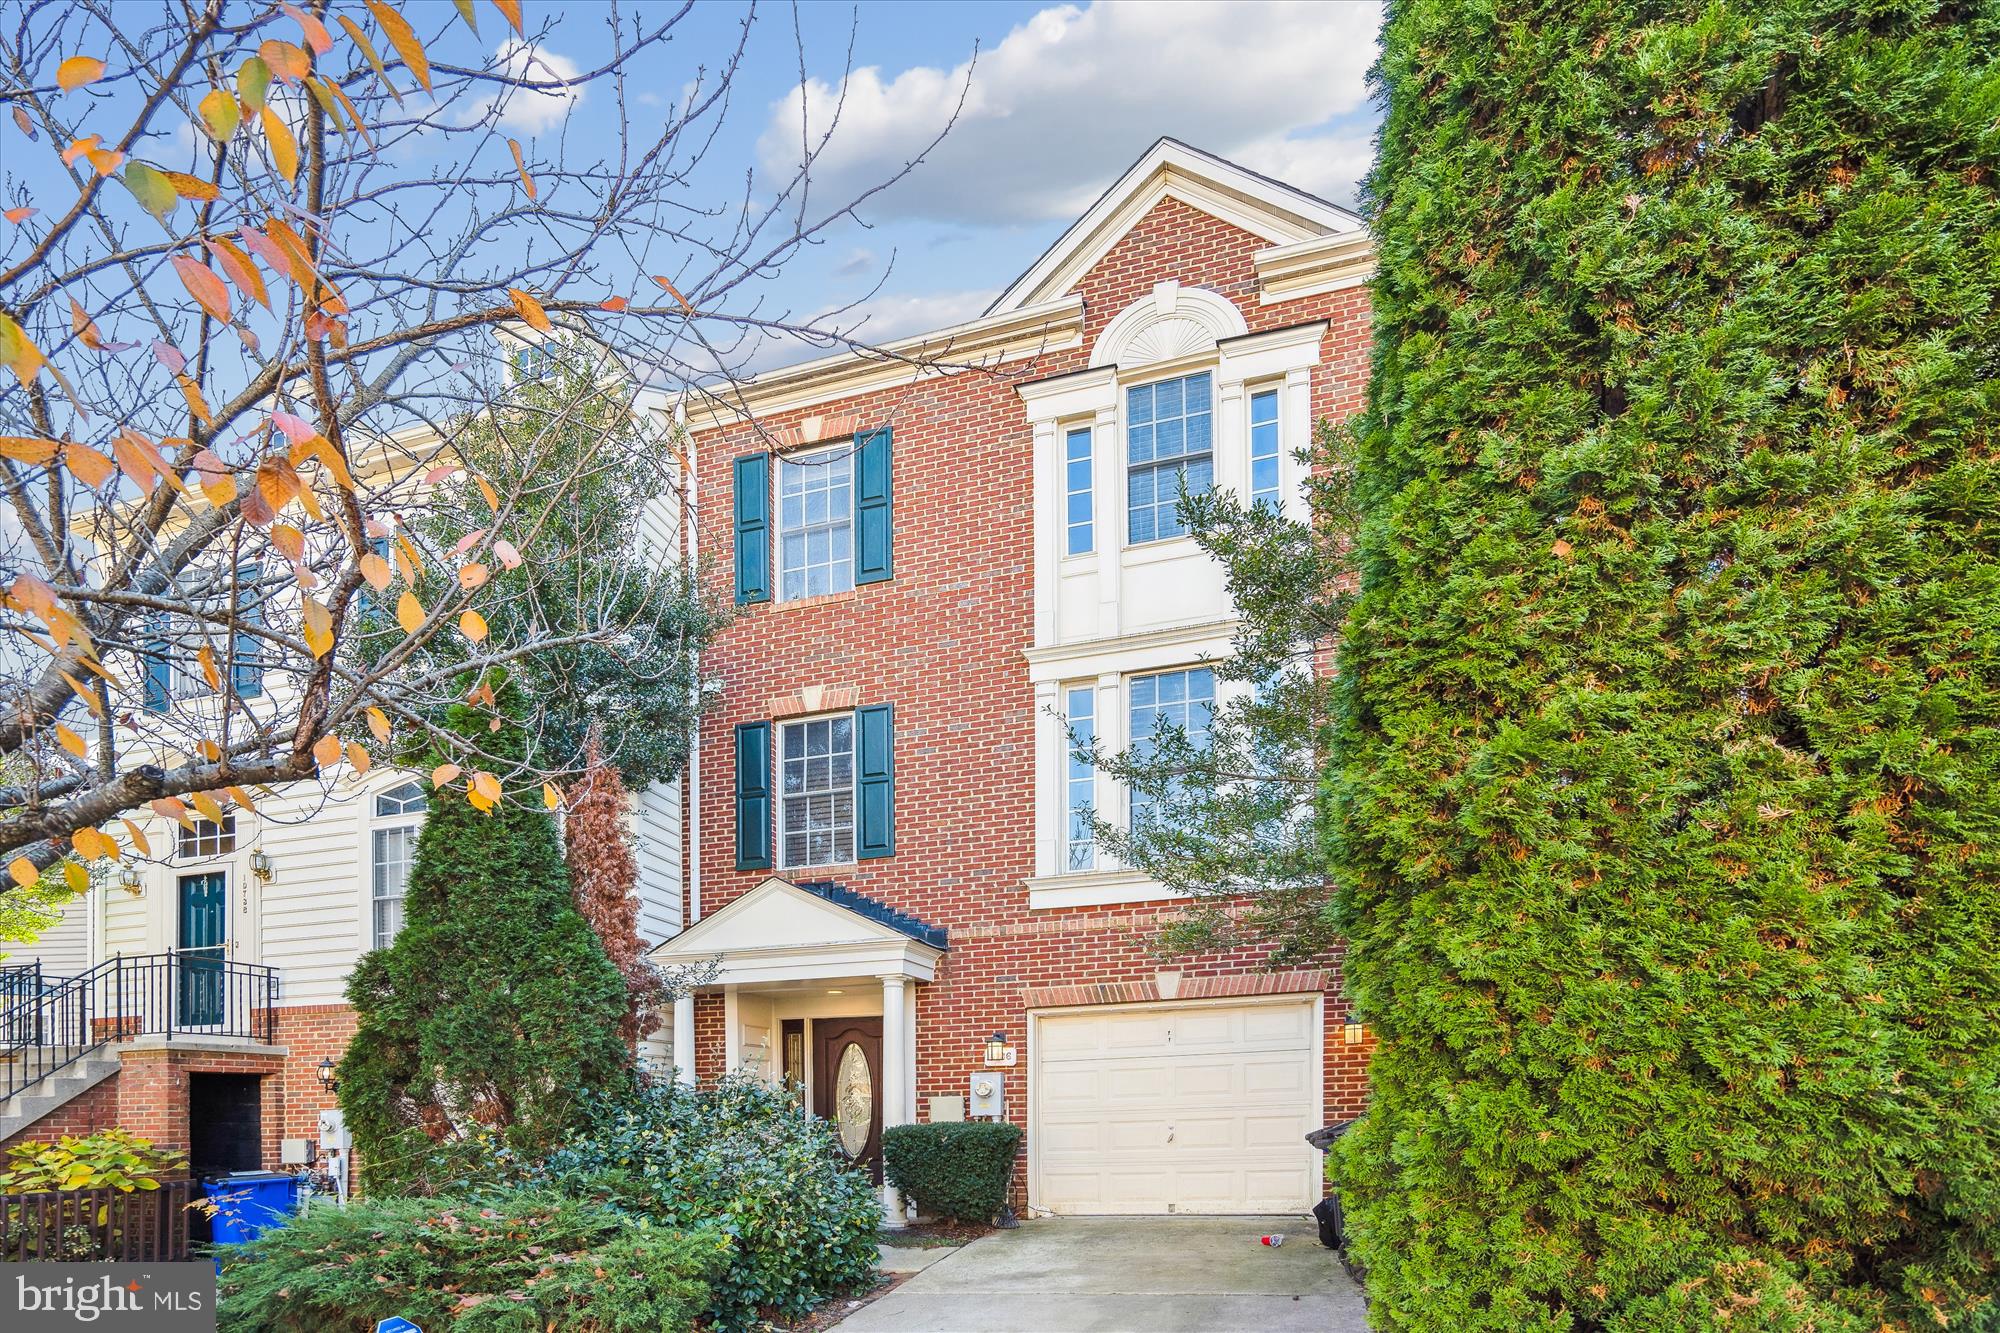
778, 788
1064, 431
373, 823
804, 457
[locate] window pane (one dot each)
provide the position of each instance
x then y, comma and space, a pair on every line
816, 810
1168, 699
1080, 781
1168, 446
815, 522
1264, 448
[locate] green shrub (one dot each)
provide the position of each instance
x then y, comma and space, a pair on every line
110, 1159
518, 1262
956, 1171
742, 1157
1666, 808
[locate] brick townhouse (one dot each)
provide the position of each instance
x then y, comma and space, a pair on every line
939, 570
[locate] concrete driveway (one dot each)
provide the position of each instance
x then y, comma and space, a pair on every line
1127, 1275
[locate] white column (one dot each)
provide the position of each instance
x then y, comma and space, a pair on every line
910, 1060
1111, 738
1232, 438
1049, 748
732, 1031
1295, 424
1107, 511
1047, 467
895, 1071
684, 1039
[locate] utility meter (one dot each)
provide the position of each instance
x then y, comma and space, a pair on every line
989, 1095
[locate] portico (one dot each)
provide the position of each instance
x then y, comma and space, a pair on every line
818, 988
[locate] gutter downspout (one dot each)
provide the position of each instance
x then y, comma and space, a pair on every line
691, 841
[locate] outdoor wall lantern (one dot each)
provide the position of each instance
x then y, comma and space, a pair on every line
260, 864
326, 1078
128, 879
1352, 1033
998, 1052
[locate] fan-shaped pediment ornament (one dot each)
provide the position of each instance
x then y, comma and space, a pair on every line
1167, 324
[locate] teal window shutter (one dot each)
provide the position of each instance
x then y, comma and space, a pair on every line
159, 684
246, 651
753, 529
873, 526
753, 796
875, 765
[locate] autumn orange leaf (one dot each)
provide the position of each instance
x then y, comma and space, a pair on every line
358, 758
318, 627
531, 310
472, 576
550, 797
205, 658
472, 625
326, 751
378, 725
360, 39
511, 11
674, 292
27, 449
208, 750
236, 264
376, 570
192, 187
216, 482
288, 62
404, 39
613, 303
88, 465
486, 785
172, 807
207, 806
241, 797
444, 773
19, 215
291, 543
84, 327
520, 165
277, 481
138, 836
78, 71
315, 33
70, 741
23, 871
409, 613
486, 489
203, 286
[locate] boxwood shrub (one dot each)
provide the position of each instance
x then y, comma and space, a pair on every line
518, 1262
958, 1171
743, 1157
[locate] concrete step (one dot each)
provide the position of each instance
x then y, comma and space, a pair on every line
51, 1094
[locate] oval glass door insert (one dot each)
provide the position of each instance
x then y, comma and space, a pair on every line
853, 1099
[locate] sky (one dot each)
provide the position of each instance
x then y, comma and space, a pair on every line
1059, 100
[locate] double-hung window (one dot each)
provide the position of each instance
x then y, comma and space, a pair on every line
1264, 449
1080, 779
816, 794
1166, 700
1077, 512
1169, 443
399, 816
816, 523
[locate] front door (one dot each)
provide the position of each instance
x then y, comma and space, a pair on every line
847, 1086
204, 909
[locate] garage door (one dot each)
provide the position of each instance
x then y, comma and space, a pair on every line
1186, 1108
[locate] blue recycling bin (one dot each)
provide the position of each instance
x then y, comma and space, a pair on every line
248, 1205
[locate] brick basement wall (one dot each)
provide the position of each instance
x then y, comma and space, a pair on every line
942, 641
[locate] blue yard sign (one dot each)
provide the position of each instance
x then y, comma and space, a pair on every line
397, 1324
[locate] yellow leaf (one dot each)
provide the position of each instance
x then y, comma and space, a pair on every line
465, 12
404, 39
444, 773
284, 148
376, 570
77, 71
531, 310
472, 625
511, 11
550, 797
70, 741
318, 627
241, 797
486, 785
486, 489
409, 613
471, 576
378, 724
139, 838
18, 352
277, 482
374, 61
23, 870
207, 805
326, 751
358, 757
76, 877
291, 543
221, 115
480, 801
92, 844
205, 658
172, 807
208, 750
89, 696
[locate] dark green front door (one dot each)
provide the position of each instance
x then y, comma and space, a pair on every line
204, 906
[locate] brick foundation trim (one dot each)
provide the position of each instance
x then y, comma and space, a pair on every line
1190, 988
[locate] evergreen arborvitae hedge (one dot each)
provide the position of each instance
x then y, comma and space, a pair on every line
1668, 785
495, 1008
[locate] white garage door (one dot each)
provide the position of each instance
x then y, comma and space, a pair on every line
1188, 1108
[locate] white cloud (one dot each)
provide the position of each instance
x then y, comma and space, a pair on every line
1071, 97
530, 110
859, 260
874, 322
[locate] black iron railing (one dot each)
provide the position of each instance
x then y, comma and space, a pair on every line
184, 992
81, 1226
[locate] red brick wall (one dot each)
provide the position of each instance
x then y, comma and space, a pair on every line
942, 641
94, 1111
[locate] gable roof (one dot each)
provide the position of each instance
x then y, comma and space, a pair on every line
782, 914
1281, 214
920, 931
